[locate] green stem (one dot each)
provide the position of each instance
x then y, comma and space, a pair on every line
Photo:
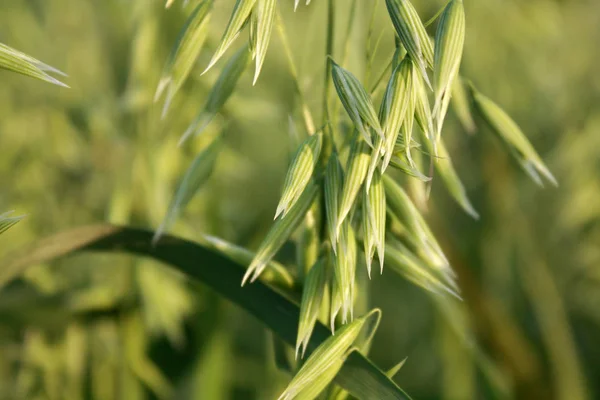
306, 114
436, 15
378, 81
328, 127
345, 50
328, 141
371, 52
359, 376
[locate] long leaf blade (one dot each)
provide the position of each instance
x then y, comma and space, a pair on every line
358, 375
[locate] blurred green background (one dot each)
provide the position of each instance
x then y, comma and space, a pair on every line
116, 327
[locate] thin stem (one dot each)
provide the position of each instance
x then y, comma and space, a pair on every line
371, 53
436, 15
328, 141
328, 60
346, 47
371, 58
328, 129
306, 114
344, 58
378, 81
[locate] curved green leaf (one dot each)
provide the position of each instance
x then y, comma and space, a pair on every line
358, 375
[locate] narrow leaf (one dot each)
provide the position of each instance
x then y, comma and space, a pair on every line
358, 375
280, 275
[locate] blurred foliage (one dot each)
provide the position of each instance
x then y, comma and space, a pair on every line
106, 327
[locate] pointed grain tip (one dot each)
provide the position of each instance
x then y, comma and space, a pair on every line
281, 210
58, 83
184, 137
249, 272
550, 177
473, 213
212, 62
256, 73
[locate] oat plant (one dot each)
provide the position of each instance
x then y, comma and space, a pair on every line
341, 188
355, 201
